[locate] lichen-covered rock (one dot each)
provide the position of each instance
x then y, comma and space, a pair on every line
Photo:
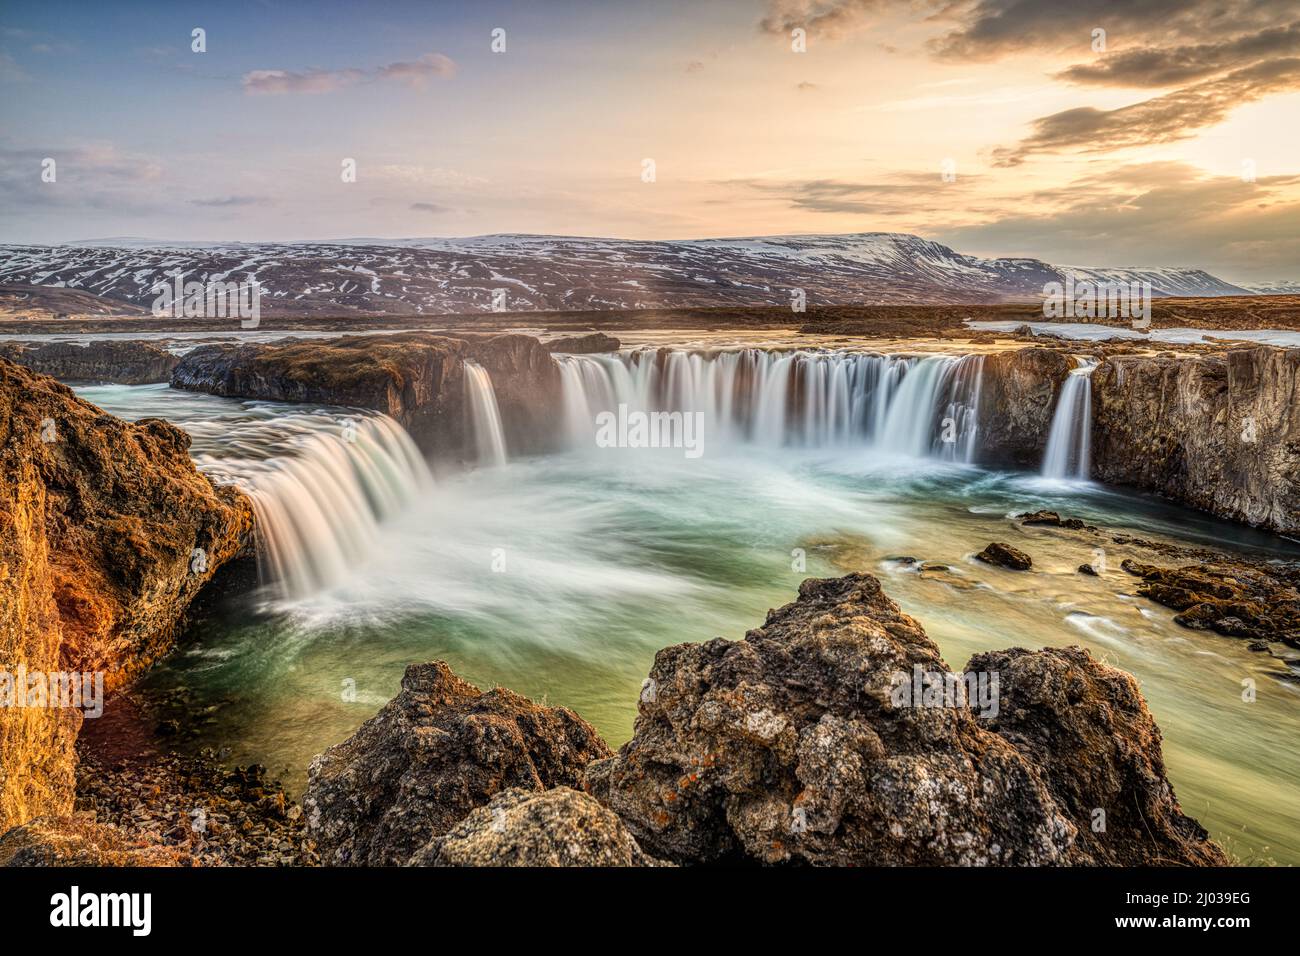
434, 752
107, 534
70, 841
1004, 556
1219, 432
560, 827
1260, 603
812, 741
1086, 728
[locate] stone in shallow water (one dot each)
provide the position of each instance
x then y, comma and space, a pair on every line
1004, 556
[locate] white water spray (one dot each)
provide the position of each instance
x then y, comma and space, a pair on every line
1069, 442
485, 416
913, 406
321, 486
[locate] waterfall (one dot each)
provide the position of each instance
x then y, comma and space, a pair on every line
321, 485
906, 405
485, 416
1068, 454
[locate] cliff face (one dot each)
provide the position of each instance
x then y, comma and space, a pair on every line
126, 363
1018, 394
107, 533
416, 378
1219, 432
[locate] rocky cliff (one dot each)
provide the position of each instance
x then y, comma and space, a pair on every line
1018, 392
1219, 432
107, 533
124, 363
416, 378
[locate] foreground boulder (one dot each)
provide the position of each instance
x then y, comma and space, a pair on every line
812, 741
436, 751
124, 363
560, 827
107, 534
1219, 432
1087, 730
68, 841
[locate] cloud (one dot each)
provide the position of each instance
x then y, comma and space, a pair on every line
1154, 214
1163, 119
1170, 66
695, 66
430, 207
826, 19
991, 29
897, 195
94, 176
414, 73
275, 82
418, 72
806, 87
229, 201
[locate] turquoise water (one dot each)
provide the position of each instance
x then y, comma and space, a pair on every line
560, 576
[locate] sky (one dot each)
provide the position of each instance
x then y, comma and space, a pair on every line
1089, 132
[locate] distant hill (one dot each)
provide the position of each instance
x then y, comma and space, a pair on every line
441, 276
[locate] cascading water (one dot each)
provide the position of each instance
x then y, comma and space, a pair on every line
323, 481
1069, 442
485, 416
321, 486
914, 406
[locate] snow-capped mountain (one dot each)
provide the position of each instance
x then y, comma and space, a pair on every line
1281, 287
524, 272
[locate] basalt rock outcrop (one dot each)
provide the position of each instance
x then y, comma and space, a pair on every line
559, 827
1018, 392
584, 344
1217, 431
1259, 603
434, 753
107, 534
812, 741
123, 363
416, 378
